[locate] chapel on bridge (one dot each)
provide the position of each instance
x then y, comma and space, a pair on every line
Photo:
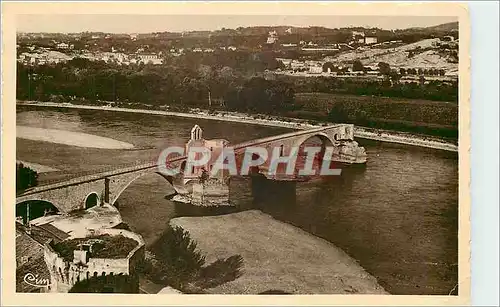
216, 147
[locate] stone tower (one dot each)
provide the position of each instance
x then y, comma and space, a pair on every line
196, 133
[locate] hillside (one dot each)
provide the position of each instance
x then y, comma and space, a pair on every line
310, 31
445, 27
424, 55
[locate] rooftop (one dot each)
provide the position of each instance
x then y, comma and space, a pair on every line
101, 246
77, 223
29, 260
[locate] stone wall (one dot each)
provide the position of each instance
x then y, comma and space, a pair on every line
212, 193
64, 275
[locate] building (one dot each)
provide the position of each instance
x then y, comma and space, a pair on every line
29, 263
62, 46
209, 186
321, 49
358, 37
215, 148
295, 65
315, 69
149, 58
357, 33
286, 62
124, 250
370, 40
272, 38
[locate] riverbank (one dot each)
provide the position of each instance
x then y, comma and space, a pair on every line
39, 168
359, 132
276, 256
70, 138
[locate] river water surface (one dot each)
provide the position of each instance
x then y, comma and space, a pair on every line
398, 216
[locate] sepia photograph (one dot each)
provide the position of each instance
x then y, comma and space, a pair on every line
266, 154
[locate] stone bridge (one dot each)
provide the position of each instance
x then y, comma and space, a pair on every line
105, 187
339, 137
84, 192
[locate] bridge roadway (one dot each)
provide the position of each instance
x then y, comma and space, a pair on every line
108, 185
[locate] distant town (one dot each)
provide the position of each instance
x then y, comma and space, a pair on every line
310, 73
300, 51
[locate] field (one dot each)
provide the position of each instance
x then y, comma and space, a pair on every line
419, 116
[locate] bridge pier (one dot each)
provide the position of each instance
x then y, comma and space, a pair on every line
106, 191
240, 192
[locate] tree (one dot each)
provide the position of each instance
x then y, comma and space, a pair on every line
421, 80
384, 68
338, 114
178, 258
204, 176
395, 77
358, 66
25, 177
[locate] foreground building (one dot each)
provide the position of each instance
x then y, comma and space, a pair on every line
105, 253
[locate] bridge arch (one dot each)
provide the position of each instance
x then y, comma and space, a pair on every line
323, 137
114, 196
91, 200
325, 141
34, 208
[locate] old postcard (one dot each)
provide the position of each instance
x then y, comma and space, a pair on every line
248, 153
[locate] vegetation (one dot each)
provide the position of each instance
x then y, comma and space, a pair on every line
107, 284
432, 118
25, 177
106, 246
232, 80
178, 263
433, 90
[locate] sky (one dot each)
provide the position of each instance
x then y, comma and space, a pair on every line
178, 23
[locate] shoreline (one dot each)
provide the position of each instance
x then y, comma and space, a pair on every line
359, 132
71, 138
39, 168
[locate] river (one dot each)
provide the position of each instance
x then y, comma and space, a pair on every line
398, 216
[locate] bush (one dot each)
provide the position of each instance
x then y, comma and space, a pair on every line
177, 256
178, 263
25, 177
112, 247
107, 284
